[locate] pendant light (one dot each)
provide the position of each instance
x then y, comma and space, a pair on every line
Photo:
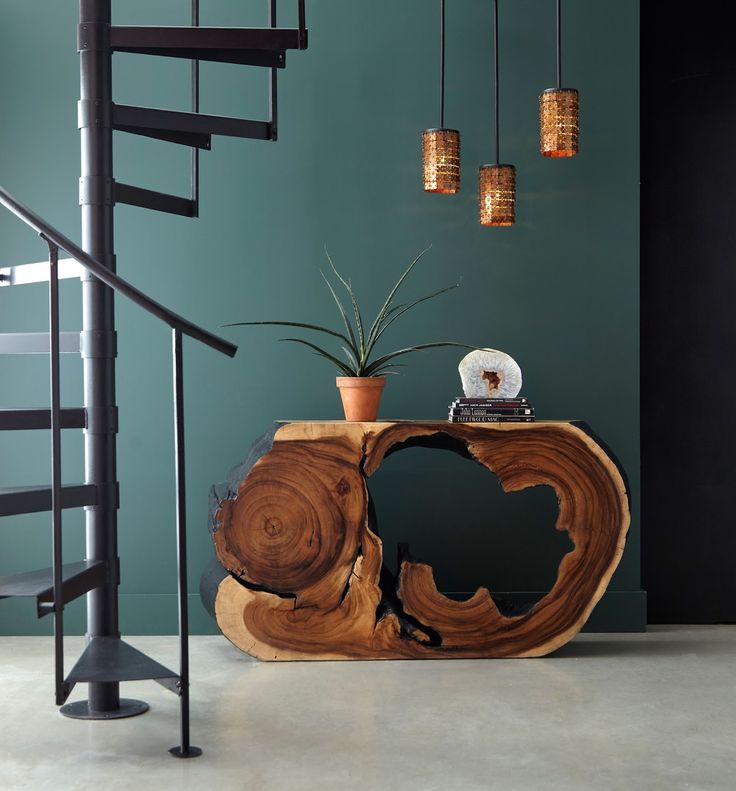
497, 182
441, 147
558, 113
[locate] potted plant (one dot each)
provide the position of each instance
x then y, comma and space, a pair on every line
363, 374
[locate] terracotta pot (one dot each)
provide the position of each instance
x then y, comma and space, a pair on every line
360, 396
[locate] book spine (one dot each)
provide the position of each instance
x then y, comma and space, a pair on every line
490, 419
509, 401
481, 410
491, 402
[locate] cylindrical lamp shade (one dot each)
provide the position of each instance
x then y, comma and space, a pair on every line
497, 194
441, 160
559, 122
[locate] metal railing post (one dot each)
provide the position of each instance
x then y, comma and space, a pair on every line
194, 193
54, 365
185, 749
273, 104
302, 20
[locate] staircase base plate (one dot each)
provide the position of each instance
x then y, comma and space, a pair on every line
80, 710
191, 752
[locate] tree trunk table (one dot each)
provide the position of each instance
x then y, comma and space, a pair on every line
299, 572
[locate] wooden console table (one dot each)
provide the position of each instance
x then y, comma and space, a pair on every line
300, 569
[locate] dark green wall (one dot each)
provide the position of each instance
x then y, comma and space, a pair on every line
559, 291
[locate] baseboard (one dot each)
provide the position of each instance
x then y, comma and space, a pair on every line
156, 613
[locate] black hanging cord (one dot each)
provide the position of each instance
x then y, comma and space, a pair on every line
442, 64
559, 47
495, 53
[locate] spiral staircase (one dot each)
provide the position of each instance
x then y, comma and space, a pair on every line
107, 660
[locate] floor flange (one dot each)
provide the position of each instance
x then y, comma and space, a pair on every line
80, 710
190, 752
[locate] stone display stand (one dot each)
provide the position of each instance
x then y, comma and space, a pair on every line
299, 572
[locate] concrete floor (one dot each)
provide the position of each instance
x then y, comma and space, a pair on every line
633, 712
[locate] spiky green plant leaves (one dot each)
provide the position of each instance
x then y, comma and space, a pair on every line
357, 346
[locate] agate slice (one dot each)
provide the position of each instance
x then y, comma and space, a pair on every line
489, 373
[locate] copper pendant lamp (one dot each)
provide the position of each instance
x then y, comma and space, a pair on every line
441, 147
559, 112
496, 182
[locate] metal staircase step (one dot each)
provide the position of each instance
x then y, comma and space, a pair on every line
37, 342
34, 499
107, 659
38, 272
246, 46
158, 201
77, 579
153, 122
138, 121
23, 419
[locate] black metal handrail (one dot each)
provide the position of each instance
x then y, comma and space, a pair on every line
179, 327
109, 278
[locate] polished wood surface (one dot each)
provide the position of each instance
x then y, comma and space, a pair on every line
296, 532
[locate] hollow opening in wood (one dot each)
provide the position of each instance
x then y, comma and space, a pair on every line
504, 541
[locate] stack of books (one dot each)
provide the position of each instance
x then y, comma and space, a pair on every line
491, 410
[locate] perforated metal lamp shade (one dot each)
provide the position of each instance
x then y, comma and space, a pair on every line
441, 160
496, 183
559, 111
559, 122
497, 195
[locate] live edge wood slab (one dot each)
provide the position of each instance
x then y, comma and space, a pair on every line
299, 572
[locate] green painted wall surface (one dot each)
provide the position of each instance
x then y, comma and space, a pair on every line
559, 291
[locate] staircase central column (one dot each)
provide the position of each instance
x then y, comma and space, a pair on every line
96, 195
